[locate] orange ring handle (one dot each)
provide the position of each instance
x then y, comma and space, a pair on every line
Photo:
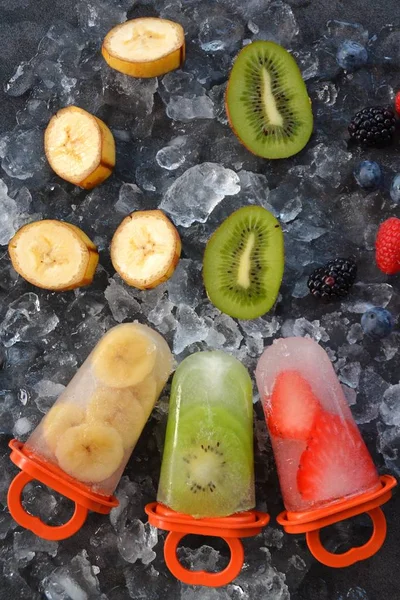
353, 555
202, 577
35, 524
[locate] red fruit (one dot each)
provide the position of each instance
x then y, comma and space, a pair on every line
293, 407
397, 103
387, 246
336, 462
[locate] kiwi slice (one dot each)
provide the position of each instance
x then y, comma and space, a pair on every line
267, 101
243, 263
207, 469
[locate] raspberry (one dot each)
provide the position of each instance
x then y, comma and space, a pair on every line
397, 103
387, 246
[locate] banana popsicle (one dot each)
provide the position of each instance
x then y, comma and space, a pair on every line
87, 437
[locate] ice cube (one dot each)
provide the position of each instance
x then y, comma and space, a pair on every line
184, 109
128, 94
8, 215
185, 285
76, 581
276, 22
291, 210
312, 329
199, 190
173, 156
219, 33
388, 444
190, 328
25, 319
386, 46
355, 334
26, 544
21, 81
341, 30
297, 562
390, 406
130, 198
23, 156
137, 541
47, 393
22, 426
121, 302
97, 18
366, 295
370, 397
350, 374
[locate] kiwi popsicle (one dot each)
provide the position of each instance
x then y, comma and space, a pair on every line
320, 454
95, 423
207, 466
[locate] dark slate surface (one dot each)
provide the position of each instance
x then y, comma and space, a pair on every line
99, 561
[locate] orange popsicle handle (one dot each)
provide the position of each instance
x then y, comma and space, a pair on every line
48, 532
354, 554
202, 577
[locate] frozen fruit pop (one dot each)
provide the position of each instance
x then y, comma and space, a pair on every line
207, 467
207, 483
324, 466
87, 437
320, 454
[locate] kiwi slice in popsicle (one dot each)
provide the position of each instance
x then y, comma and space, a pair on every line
207, 469
267, 101
243, 263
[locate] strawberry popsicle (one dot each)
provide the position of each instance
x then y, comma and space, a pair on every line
320, 454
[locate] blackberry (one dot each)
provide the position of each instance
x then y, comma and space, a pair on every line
334, 280
373, 126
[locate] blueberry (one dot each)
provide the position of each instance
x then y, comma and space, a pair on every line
377, 322
368, 175
351, 55
395, 189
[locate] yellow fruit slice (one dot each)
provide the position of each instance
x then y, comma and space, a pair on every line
90, 452
124, 356
79, 147
146, 393
145, 249
120, 409
145, 47
53, 255
61, 417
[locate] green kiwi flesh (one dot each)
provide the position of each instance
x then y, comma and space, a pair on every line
267, 101
207, 469
243, 263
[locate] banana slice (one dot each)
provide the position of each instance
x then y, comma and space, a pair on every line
145, 47
61, 417
90, 452
79, 147
53, 255
124, 357
146, 393
120, 409
145, 249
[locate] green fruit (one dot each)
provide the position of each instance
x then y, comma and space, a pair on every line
207, 468
267, 101
243, 263
215, 379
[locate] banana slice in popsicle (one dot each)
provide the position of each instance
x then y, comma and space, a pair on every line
53, 255
90, 452
145, 249
124, 357
120, 409
61, 417
145, 47
79, 147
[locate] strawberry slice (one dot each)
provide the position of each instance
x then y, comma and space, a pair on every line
336, 462
293, 407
